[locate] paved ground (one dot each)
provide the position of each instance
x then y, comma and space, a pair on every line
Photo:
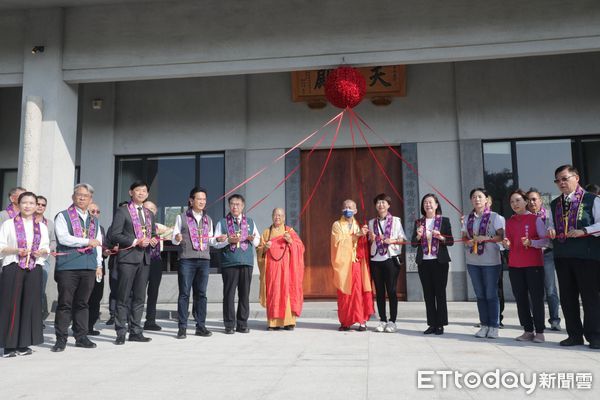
313, 362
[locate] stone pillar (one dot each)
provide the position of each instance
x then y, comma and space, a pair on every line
52, 171
32, 136
43, 79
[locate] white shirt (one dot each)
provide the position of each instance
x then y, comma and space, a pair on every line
61, 231
397, 234
198, 218
220, 231
8, 239
429, 224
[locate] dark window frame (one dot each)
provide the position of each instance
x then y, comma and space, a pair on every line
169, 254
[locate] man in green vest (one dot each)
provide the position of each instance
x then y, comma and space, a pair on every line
237, 236
576, 239
78, 265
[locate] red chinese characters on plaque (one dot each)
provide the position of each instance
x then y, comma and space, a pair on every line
383, 83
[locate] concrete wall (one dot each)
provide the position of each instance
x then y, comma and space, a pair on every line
12, 43
529, 97
213, 37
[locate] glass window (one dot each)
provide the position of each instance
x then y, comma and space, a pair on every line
171, 177
212, 178
129, 170
498, 174
9, 181
591, 161
536, 162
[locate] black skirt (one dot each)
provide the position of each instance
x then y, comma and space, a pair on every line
20, 307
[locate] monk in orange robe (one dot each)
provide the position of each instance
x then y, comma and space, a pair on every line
351, 274
281, 262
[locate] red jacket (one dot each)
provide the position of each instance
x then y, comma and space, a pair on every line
517, 227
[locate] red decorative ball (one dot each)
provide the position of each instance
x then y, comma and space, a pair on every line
345, 87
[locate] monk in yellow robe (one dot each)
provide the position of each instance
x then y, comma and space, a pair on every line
281, 262
351, 274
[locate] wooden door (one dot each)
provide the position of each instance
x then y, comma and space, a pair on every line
348, 170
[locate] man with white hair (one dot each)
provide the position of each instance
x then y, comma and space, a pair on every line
79, 239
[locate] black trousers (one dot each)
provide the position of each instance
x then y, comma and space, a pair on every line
113, 284
20, 307
238, 278
154, 278
385, 276
133, 279
74, 290
94, 303
579, 277
434, 279
528, 288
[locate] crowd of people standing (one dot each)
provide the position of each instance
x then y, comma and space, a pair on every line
563, 237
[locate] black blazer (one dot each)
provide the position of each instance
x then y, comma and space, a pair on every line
121, 232
443, 255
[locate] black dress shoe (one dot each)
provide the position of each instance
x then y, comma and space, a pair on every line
273, 328
343, 328
9, 353
429, 331
85, 343
181, 333
595, 345
242, 330
120, 340
229, 331
202, 331
24, 351
152, 326
289, 327
110, 321
139, 338
439, 330
571, 341
59, 346
93, 332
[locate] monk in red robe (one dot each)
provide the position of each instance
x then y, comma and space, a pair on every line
281, 263
351, 274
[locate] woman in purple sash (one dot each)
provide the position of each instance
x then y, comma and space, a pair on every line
481, 232
24, 246
431, 237
385, 231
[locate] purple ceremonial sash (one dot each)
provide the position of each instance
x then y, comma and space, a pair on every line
28, 261
243, 232
155, 252
11, 211
483, 225
431, 248
78, 230
139, 230
542, 214
194, 229
382, 248
565, 223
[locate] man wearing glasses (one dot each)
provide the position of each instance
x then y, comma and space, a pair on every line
79, 243
576, 239
41, 204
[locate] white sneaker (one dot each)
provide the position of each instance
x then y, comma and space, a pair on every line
492, 333
380, 327
390, 327
482, 332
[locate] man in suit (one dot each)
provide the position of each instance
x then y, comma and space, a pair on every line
133, 230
